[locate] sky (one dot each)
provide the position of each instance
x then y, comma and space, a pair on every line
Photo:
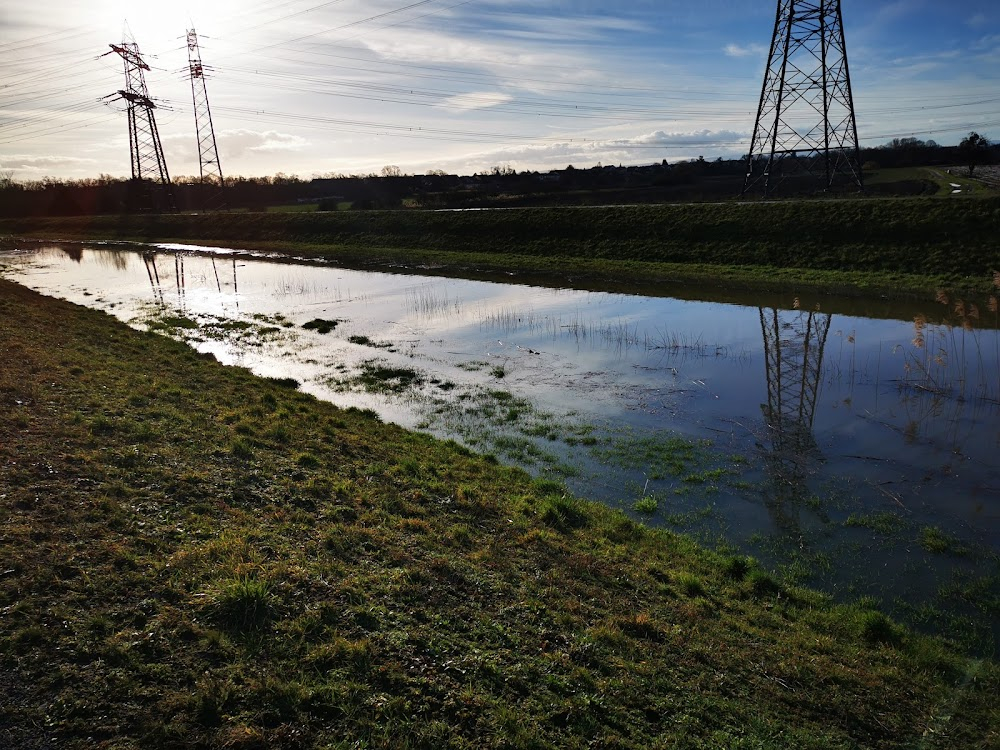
312, 88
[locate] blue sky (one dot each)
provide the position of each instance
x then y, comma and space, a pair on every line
310, 87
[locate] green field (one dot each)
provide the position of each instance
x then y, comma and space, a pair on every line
893, 246
197, 558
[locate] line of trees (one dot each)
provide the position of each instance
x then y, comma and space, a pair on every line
391, 188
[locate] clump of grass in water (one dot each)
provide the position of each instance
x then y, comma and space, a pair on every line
647, 505
321, 326
934, 540
884, 522
365, 341
173, 321
661, 454
377, 377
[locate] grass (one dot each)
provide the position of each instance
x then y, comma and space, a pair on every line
361, 340
937, 541
660, 455
883, 522
647, 504
321, 326
892, 246
346, 583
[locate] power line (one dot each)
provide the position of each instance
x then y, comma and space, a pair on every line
346, 25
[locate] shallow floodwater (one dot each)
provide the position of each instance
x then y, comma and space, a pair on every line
851, 447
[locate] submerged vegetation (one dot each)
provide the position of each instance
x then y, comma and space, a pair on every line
195, 557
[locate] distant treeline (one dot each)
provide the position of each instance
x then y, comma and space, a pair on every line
694, 180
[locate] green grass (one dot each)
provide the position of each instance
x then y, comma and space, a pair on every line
261, 569
894, 246
647, 504
884, 522
934, 540
937, 176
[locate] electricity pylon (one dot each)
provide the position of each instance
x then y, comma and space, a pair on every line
209, 166
794, 342
149, 167
805, 123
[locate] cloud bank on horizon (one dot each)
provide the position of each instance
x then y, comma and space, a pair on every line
346, 86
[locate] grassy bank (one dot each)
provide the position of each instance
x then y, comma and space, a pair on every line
890, 246
194, 557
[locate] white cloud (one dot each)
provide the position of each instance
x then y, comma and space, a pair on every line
236, 143
40, 164
751, 50
513, 62
644, 148
978, 20
475, 100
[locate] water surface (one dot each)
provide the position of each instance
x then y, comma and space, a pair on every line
848, 444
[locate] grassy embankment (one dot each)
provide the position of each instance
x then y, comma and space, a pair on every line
195, 557
896, 247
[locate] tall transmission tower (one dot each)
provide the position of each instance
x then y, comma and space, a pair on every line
149, 167
209, 166
794, 341
805, 130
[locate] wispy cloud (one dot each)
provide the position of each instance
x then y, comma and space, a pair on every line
475, 100
236, 143
977, 20
641, 148
42, 164
750, 50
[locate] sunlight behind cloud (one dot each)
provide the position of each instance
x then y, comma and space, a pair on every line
159, 20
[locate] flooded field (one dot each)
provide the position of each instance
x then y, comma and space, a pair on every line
850, 446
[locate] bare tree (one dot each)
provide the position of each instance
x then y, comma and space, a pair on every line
391, 170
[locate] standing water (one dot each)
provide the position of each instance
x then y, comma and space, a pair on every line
849, 448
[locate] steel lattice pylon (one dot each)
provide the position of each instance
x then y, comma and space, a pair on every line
209, 166
794, 342
148, 163
805, 122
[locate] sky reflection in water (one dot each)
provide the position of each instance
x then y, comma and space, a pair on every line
825, 422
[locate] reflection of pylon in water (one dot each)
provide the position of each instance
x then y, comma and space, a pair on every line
154, 277
794, 341
181, 282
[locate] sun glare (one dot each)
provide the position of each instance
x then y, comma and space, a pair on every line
153, 24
